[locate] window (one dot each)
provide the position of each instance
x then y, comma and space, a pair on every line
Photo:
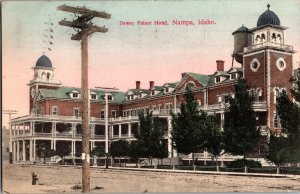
218, 79
93, 96
226, 98
276, 119
280, 63
254, 65
75, 95
233, 76
109, 97
42, 110
190, 84
259, 96
219, 99
102, 114
54, 110
167, 90
76, 112
274, 37
48, 75
128, 97
152, 92
114, 114
263, 37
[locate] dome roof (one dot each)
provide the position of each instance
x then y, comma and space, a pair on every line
43, 61
241, 29
268, 17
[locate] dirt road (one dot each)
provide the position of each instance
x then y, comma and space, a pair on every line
17, 179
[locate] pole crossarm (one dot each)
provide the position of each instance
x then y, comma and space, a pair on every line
88, 31
84, 10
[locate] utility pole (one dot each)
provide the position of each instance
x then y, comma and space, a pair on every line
10, 112
84, 28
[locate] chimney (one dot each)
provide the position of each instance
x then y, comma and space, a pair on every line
151, 84
220, 65
137, 85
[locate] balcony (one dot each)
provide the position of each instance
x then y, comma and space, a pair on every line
259, 106
268, 44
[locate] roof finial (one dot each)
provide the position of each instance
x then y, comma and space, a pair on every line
268, 6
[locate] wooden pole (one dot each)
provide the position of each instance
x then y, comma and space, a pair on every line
85, 115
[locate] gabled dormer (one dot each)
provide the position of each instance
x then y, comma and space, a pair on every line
220, 76
235, 73
75, 94
93, 95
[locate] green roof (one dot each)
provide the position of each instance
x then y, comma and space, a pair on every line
203, 79
63, 93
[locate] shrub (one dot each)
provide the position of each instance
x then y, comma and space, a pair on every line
240, 163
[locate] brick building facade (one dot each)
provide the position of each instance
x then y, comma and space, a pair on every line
55, 110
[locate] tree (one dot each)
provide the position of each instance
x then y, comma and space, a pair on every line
97, 152
278, 150
241, 134
187, 133
64, 149
213, 137
119, 149
135, 151
289, 114
149, 136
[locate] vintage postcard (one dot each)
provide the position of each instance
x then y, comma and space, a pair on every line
150, 96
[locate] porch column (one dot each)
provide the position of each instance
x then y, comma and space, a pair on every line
23, 150
222, 121
73, 130
33, 128
129, 129
53, 129
34, 149
72, 148
24, 126
54, 144
93, 131
18, 151
172, 152
14, 128
14, 151
120, 131
30, 150
18, 130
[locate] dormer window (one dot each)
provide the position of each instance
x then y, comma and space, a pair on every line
93, 96
167, 90
152, 92
218, 79
233, 76
128, 97
75, 95
109, 97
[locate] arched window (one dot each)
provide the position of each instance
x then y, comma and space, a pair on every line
48, 75
263, 37
279, 38
258, 96
43, 74
257, 39
274, 37
276, 94
190, 84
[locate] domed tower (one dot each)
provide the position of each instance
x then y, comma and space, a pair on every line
43, 78
268, 65
241, 36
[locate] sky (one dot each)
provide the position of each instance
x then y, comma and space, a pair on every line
126, 54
